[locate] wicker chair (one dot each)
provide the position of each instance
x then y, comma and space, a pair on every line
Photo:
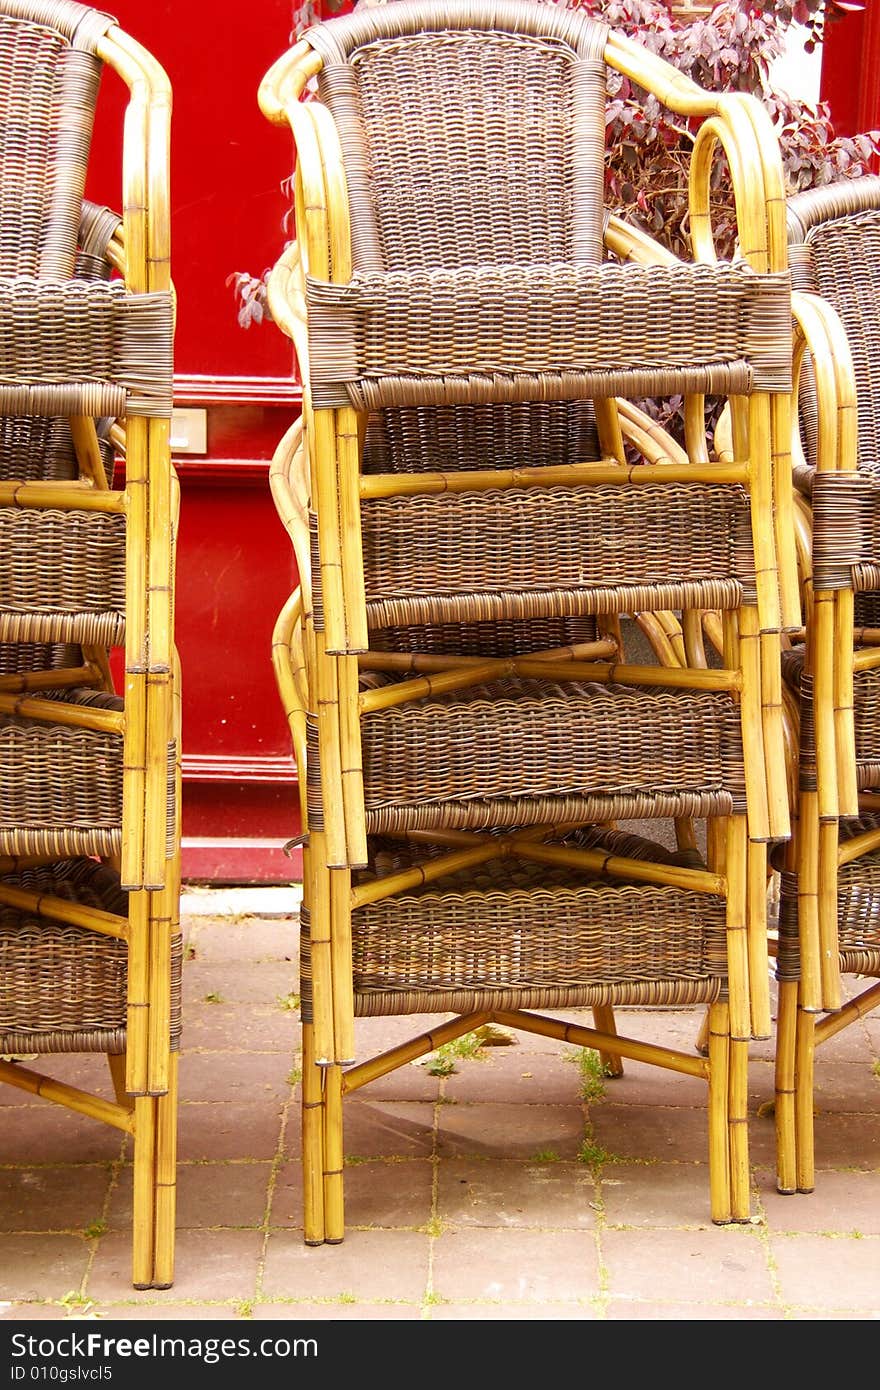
830, 924
464, 338
90, 952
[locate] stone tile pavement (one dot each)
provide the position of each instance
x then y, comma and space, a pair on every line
516, 1186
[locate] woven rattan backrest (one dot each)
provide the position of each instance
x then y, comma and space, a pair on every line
834, 241
480, 140
49, 77
472, 132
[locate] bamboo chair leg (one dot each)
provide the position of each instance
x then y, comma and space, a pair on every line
744, 651
774, 737
807, 851
844, 712
719, 1143
116, 1063
341, 969
334, 1206
805, 1047
737, 929
317, 902
603, 1018
312, 1141
702, 1041
138, 1011
740, 1206
144, 1199
786, 1143
166, 1180
160, 993
829, 951
326, 689
759, 979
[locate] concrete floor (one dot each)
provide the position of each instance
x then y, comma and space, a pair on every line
495, 1192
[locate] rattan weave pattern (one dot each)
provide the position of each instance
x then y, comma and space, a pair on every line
47, 100
393, 111
19, 657
858, 912
60, 788
644, 536
62, 575
63, 988
556, 331
529, 936
83, 347
866, 706
527, 752
503, 637
451, 439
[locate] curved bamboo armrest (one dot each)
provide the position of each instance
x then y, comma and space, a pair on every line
285, 80
145, 162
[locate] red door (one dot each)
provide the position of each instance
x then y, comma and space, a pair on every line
235, 566
851, 66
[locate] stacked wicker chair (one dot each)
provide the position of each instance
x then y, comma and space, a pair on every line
473, 500
89, 865
830, 908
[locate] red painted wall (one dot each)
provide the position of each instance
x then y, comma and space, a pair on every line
851, 68
235, 565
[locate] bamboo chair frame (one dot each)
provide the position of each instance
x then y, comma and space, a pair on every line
144, 1077
320, 670
829, 874
322, 206
325, 1082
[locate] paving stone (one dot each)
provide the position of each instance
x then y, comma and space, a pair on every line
229, 1129
209, 1265
404, 1083
645, 1085
380, 1129
41, 1266
664, 1133
845, 1086
52, 1199
712, 1265
381, 1194
507, 1075
509, 1131
515, 1266
32, 1312
240, 983
619, 1310
251, 940
208, 1195
507, 1312
655, 1194
368, 1265
842, 1203
500, 1194
240, 1076
847, 1141
337, 1312
86, 1070
47, 1133
823, 1272
374, 1035
166, 1312
247, 1027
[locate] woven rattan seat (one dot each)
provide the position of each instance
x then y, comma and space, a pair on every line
599, 752
63, 987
